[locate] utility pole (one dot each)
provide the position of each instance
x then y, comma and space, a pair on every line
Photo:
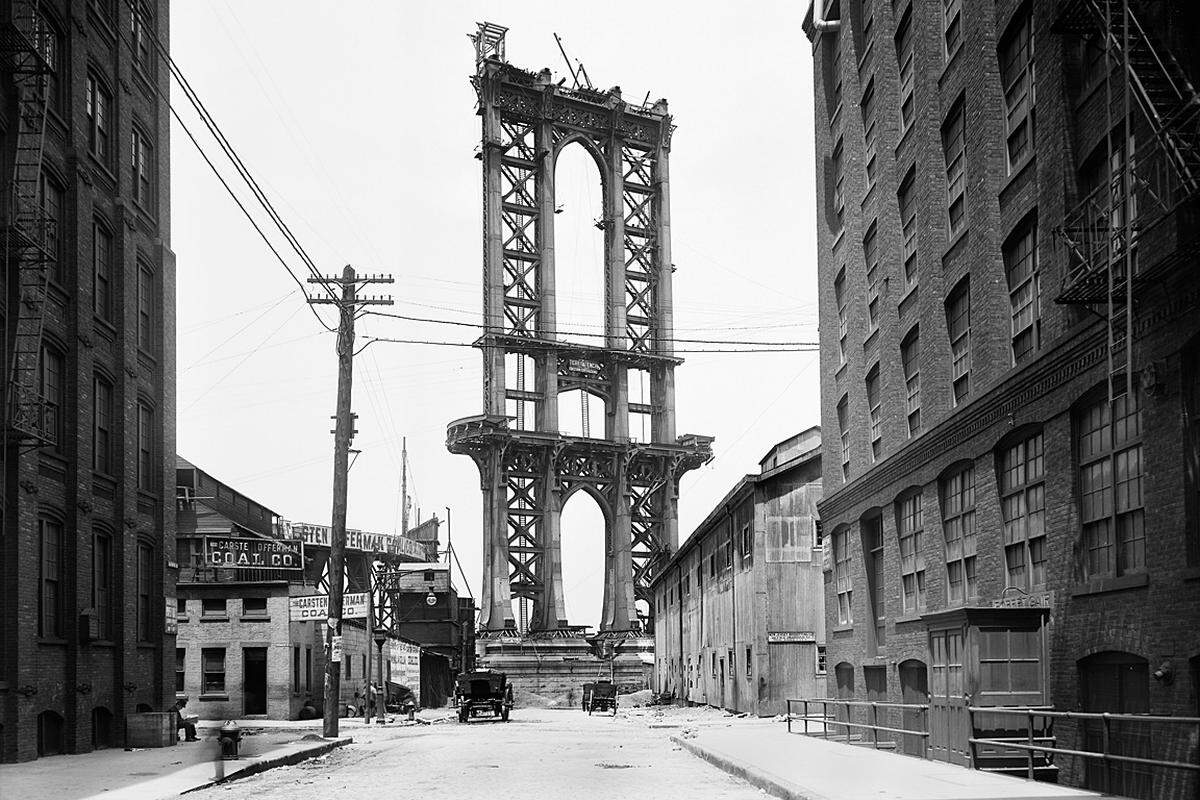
343, 433
404, 486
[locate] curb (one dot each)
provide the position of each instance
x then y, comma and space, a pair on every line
751, 775
285, 760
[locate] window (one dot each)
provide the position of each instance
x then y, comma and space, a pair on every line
180, 670
346, 666
839, 294
907, 200
1110, 481
866, 12
869, 137
700, 575
822, 659
904, 56
843, 580
102, 294
99, 109
141, 164
818, 537
48, 41
145, 439
951, 26
50, 598
254, 606
837, 165
728, 547
954, 144
872, 537
843, 415
1023, 506
50, 203
749, 663
1017, 78
102, 425
1024, 290
430, 577
141, 29
102, 583
912, 560
212, 667
910, 359
747, 543
296, 668
53, 394
145, 591
871, 259
958, 526
181, 607
714, 664
875, 410
145, 309
958, 325
213, 607
729, 660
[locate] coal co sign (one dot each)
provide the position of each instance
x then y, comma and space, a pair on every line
230, 552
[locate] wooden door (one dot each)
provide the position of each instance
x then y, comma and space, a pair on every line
914, 690
947, 706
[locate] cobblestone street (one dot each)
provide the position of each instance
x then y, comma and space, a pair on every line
540, 753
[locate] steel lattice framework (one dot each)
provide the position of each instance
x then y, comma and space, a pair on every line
528, 473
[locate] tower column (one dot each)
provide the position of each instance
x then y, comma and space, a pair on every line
547, 364
495, 604
662, 380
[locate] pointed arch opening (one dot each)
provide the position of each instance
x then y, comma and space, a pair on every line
583, 529
579, 243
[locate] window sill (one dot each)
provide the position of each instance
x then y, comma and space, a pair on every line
951, 60
254, 619
146, 355
840, 369
1015, 173
214, 619
108, 643
52, 641
215, 698
1116, 584
955, 240
105, 326
915, 616
98, 163
837, 239
843, 628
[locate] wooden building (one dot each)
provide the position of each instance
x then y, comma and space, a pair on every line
739, 608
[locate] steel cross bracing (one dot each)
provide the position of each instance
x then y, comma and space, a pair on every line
29, 234
528, 469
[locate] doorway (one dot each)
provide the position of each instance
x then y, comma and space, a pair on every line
1117, 683
914, 690
254, 680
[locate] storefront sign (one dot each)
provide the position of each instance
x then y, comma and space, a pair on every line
790, 637
231, 552
316, 606
361, 541
1037, 600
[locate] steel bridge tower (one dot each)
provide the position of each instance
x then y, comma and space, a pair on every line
528, 469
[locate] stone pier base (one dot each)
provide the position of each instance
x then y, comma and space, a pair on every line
550, 672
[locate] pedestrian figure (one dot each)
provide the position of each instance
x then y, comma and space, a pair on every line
189, 727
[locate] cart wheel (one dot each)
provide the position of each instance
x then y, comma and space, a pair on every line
591, 708
614, 709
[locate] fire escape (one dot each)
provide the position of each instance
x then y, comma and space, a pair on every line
28, 234
1125, 232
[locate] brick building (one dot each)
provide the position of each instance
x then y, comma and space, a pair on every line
1011, 494
89, 322
739, 608
428, 610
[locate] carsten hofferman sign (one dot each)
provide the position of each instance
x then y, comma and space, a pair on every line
231, 552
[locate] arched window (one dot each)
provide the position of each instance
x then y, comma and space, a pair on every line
843, 417
843, 579
910, 360
52, 389
146, 441
873, 563
50, 577
1109, 439
102, 728
1021, 474
99, 118
102, 582
958, 326
875, 411
102, 271
909, 532
49, 734
48, 39
958, 527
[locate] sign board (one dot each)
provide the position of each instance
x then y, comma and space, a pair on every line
1037, 600
361, 541
335, 648
316, 607
790, 637
232, 552
172, 622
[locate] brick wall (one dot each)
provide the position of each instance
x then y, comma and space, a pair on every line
73, 677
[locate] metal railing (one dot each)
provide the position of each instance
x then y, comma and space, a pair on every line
825, 719
1029, 742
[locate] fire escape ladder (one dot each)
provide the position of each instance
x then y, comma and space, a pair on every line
29, 234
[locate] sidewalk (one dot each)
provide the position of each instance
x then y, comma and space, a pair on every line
153, 773
799, 767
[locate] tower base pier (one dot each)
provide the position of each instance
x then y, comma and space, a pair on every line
551, 671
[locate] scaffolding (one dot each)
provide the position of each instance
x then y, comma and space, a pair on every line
1144, 184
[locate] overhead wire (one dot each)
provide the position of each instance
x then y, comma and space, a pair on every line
547, 344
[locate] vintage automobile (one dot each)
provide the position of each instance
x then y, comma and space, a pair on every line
483, 693
602, 696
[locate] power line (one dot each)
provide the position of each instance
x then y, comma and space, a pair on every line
672, 339
548, 345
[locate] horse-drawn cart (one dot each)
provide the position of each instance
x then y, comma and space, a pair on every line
601, 696
483, 693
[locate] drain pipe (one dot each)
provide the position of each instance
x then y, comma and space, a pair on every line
821, 24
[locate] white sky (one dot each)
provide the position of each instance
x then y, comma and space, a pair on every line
358, 120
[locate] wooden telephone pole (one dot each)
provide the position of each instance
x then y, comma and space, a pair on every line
343, 433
